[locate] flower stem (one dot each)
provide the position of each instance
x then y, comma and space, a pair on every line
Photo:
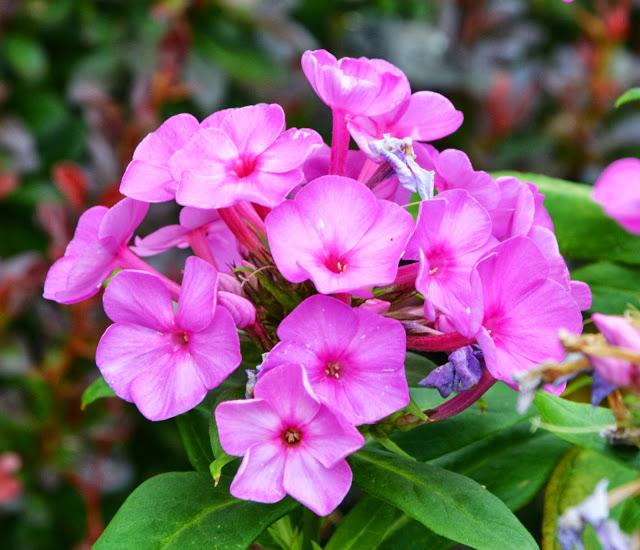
438, 342
339, 143
200, 246
245, 225
462, 400
129, 260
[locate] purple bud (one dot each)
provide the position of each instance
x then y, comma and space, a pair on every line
600, 388
461, 372
241, 309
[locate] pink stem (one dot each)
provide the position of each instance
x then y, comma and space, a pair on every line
368, 169
200, 245
238, 219
463, 400
128, 260
406, 277
343, 297
339, 143
438, 342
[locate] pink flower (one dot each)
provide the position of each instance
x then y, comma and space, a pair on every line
524, 309
355, 86
202, 230
453, 170
162, 361
618, 191
338, 234
291, 443
452, 232
99, 245
354, 358
619, 332
520, 208
424, 116
148, 178
242, 154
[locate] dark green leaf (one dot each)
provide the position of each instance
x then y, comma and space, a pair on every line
194, 431
179, 510
614, 287
584, 232
495, 413
449, 504
97, 390
513, 465
630, 95
573, 480
25, 55
581, 424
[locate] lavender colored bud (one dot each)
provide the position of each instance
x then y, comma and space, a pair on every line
600, 388
241, 309
461, 372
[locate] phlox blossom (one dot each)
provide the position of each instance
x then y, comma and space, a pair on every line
354, 358
162, 361
618, 191
242, 154
291, 443
99, 245
338, 234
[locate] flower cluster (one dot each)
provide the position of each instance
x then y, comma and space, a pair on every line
311, 252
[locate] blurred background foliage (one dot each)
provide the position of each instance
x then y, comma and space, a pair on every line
81, 81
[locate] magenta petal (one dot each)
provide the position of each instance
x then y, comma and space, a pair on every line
122, 219
260, 475
139, 298
147, 177
287, 390
428, 117
241, 310
244, 423
322, 322
172, 387
330, 438
197, 301
216, 349
255, 127
163, 239
581, 293
289, 150
125, 351
618, 191
193, 218
86, 273
320, 489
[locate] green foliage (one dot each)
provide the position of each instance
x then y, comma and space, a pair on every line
184, 510
194, 429
584, 232
630, 95
449, 504
98, 389
573, 480
614, 287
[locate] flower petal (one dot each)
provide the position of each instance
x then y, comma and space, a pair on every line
245, 422
260, 475
197, 302
139, 298
320, 489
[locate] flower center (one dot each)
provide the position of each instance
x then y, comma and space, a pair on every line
292, 436
180, 339
245, 166
336, 264
333, 369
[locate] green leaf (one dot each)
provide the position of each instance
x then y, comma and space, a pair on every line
513, 465
449, 504
573, 480
584, 232
581, 424
417, 367
194, 432
614, 287
25, 55
630, 95
215, 468
179, 510
494, 414
98, 389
